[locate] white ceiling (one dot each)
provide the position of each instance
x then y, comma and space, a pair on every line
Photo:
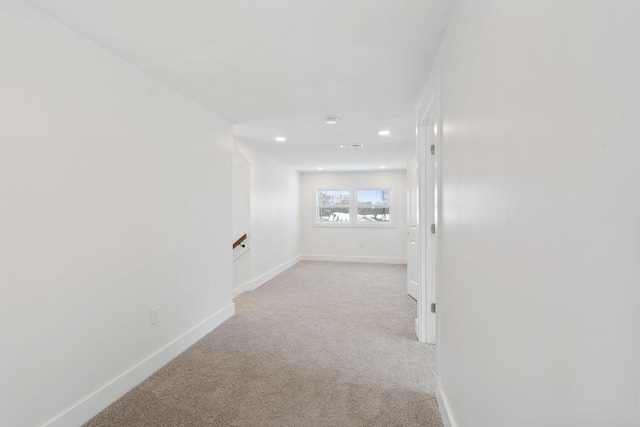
279, 67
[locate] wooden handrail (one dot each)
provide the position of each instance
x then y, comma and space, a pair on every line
239, 241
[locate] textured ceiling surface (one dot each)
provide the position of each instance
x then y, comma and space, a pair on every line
280, 67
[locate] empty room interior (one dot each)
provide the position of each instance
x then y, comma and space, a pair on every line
172, 173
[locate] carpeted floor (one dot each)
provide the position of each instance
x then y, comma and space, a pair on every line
323, 344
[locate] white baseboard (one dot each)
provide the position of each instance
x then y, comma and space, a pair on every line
261, 280
97, 401
445, 409
243, 287
364, 259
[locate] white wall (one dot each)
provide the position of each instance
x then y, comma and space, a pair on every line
275, 215
115, 197
540, 218
354, 244
241, 221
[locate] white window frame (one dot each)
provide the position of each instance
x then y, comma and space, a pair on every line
353, 208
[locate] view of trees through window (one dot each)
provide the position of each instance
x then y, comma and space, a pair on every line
333, 205
373, 205
363, 206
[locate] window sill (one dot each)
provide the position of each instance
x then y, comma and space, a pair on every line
344, 224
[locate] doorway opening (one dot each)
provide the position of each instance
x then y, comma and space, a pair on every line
428, 204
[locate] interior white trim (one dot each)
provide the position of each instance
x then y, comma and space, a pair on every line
445, 411
429, 105
261, 280
364, 259
427, 118
353, 207
243, 287
95, 402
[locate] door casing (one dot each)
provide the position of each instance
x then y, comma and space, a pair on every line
428, 135
413, 230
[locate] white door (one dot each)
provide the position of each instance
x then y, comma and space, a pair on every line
413, 233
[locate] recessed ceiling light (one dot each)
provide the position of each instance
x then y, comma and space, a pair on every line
384, 132
383, 167
331, 120
281, 138
351, 145
319, 169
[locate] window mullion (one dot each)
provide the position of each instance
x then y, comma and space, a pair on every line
353, 208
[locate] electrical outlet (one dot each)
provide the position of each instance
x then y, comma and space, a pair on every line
155, 315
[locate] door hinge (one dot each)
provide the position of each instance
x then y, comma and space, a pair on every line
433, 229
433, 307
433, 149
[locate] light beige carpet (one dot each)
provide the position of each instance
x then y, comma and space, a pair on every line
323, 344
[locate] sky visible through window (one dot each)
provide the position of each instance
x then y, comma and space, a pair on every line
333, 197
374, 197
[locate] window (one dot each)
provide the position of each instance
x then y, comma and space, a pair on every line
333, 205
354, 207
374, 205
